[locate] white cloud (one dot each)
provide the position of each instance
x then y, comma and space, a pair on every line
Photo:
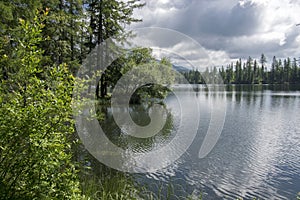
230, 29
219, 58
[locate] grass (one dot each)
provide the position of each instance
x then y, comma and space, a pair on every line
110, 185
113, 185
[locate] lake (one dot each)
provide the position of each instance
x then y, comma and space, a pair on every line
257, 154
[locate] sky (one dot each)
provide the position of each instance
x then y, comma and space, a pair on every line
230, 29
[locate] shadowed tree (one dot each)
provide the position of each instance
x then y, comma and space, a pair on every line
108, 18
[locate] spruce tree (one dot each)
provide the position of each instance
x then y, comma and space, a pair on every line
108, 18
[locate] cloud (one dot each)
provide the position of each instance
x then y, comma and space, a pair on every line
230, 28
242, 19
180, 48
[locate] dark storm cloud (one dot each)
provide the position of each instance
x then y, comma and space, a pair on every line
239, 20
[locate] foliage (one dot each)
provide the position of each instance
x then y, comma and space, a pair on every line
37, 57
36, 85
142, 66
35, 157
10, 12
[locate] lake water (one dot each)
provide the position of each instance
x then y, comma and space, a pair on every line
257, 154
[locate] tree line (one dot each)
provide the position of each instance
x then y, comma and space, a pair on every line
251, 71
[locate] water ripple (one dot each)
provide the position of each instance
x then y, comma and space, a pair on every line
257, 156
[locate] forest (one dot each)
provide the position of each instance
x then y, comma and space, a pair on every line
42, 45
286, 71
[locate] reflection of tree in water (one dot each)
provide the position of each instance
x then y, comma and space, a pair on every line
97, 171
139, 114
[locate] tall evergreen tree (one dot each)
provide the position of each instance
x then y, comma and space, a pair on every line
108, 18
273, 69
255, 73
286, 70
249, 73
63, 27
294, 71
263, 60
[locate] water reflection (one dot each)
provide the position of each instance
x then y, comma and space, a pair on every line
140, 115
258, 152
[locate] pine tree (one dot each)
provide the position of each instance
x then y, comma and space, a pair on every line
249, 64
286, 70
255, 73
64, 26
262, 60
239, 72
108, 18
294, 71
272, 73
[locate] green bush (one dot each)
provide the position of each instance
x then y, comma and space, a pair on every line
35, 123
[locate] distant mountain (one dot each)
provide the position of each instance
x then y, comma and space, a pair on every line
180, 68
